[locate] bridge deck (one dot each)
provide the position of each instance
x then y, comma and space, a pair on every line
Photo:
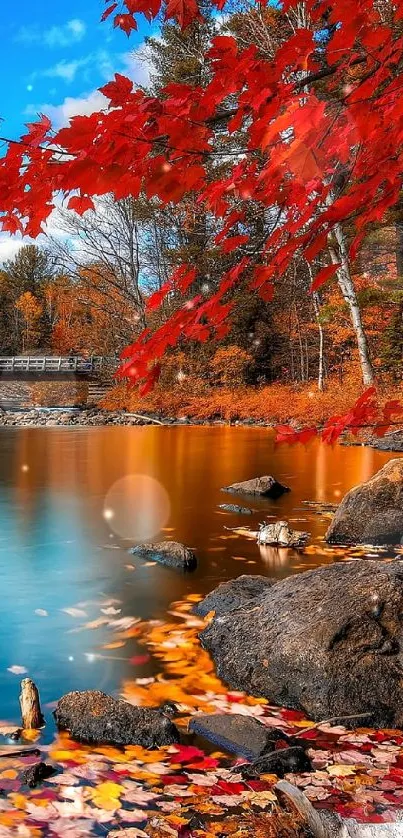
42, 364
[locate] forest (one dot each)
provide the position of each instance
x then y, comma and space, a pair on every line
95, 287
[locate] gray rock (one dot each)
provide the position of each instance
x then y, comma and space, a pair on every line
293, 760
389, 442
169, 553
241, 735
266, 486
371, 513
94, 717
233, 594
36, 774
280, 533
237, 510
326, 642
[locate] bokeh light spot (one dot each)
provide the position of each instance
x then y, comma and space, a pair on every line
137, 507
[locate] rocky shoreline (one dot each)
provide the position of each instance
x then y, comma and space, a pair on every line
84, 417
41, 417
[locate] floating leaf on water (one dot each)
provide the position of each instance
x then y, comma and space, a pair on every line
75, 612
17, 670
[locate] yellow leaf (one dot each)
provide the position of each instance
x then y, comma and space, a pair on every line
341, 770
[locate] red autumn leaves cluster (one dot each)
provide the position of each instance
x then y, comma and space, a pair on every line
321, 110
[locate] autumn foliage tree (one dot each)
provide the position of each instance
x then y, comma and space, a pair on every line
31, 312
319, 163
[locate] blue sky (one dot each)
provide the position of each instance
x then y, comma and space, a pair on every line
55, 55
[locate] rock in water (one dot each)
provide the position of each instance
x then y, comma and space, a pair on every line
281, 762
266, 486
280, 533
371, 513
169, 553
35, 774
94, 717
241, 735
237, 510
234, 594
326, 642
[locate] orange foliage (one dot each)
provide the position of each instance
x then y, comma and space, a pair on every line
273, 404
229, 365
59, 394
31, 312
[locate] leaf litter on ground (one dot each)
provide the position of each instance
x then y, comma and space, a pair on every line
188, 788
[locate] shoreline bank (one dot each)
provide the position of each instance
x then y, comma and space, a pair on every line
98, 417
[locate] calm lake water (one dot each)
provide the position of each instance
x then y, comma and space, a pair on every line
72, 502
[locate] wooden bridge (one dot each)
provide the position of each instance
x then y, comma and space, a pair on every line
56, 366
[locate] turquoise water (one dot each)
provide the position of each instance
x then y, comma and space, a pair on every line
68, 515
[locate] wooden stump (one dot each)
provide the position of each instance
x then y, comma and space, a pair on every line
31, 713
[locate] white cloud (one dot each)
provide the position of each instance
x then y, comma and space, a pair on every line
71, 106
64, 35
136, 66
100, 62
65, 70
132, 64
9, 246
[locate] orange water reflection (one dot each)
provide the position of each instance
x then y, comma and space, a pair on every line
57, 550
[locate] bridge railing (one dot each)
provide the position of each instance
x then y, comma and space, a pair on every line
52, 364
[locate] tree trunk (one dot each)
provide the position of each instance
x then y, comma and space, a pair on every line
340, 256
31, 713
321, 371
399, 249
316, 308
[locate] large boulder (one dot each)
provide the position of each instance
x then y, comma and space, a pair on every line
266, 486
372, 513
94, 717
327, 642
169, 553
233, 594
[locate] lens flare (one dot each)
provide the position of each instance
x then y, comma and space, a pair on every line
137, 507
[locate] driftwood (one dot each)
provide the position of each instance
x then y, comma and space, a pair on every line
324, 824
147, 418
31, 713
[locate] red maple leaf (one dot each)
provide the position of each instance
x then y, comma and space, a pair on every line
117, 91
80, 204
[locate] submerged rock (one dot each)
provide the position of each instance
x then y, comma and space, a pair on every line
266, 486
284, 761
238, 510
36, 774
281, 533
326, 642
241, 735
233, 594
94, 717
169, 553
371, 513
